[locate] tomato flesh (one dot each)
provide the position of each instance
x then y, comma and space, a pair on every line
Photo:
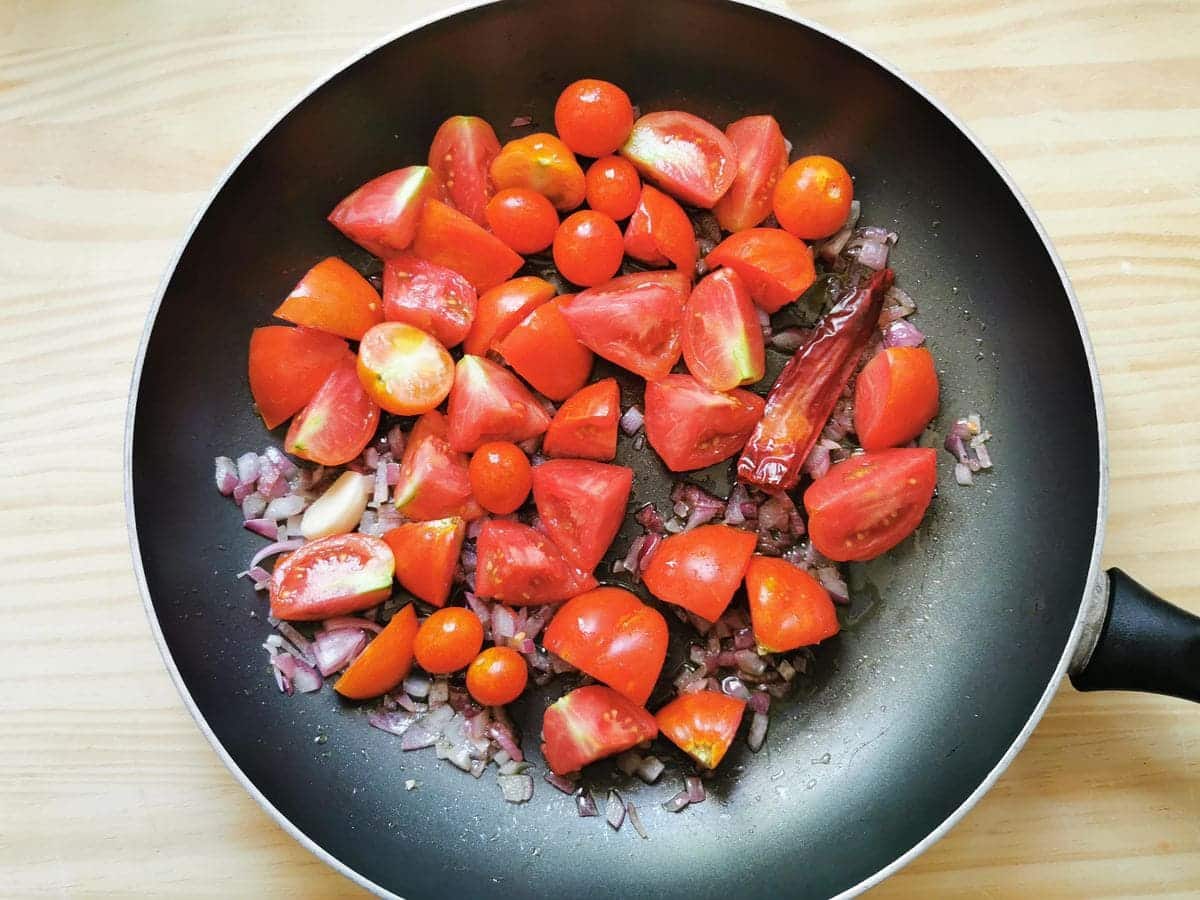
339, 421
502, 308
497, 676
333, 297
382, 215
461, 153
702, 725
691, 427
581, 504
593, 117
451, 239
590, 723
287, 366
426, 554
585, 426
722, 339
385, 662
488, 403
501, 477
543, 350
776, 266
448, 640
762, 157
404, 369
543, 163
435, 482
684, 155
660, 232
895, 397
788, 607
700, 569
522, 567
331, 576
428, 296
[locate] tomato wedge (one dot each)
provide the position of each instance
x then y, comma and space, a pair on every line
633, 320
776, 266
488, 403
691, 427
381, 216
522, 567
702, 725
502, 308
451, 239
287, 366
722, 340
700, 569
543, 351
581, 504
684, 155
338, 423
613, 636
462, 150
867, 504
895, 396
428, 296
331, 576
762, 156
385, 662
788, 607
591, 723
404, 369
585, 426
660, 232
542, 163
426, 554
333, 297
435, 482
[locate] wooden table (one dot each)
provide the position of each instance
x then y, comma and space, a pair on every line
118, 117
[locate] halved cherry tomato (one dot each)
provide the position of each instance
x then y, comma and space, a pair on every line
722, 340
404, 369
501, 308
338, 423
788, 607
428, 296
542, 163
385, 662
660, 232
543, 350
522, 567
684, 155
762, 156
591, 723
381, 216
426, 554
588, 248
700, 569
633, 320
448, 640
585, 426
702, 725
776, 266
593, 117
333, 297
523, 219
867, 504
489, 403
691, 427
812, 198
448, 238
287, 366
331, 576
497, 676
461, 153
613, 187
895, 396
500, 477
434, 480
613, 636
581, 504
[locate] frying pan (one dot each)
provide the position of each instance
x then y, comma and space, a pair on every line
955, 642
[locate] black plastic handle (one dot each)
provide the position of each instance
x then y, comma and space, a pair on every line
1145, 644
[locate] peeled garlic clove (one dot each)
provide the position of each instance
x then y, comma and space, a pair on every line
339, 509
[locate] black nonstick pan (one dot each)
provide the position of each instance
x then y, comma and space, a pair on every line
955, 642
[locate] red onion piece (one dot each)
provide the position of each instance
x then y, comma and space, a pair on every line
254, 505
272, 549
743, 639
764, 321
831, 579
585, 804
902, 333
334, 650
520, 121
758, 731
750, 662
504, 624
225, 474
248, 468
303, 677
733, 686
962, 474
650, 769
515, 788
632, 421
677, 803
636, 821
831, 247
566, 785
789, 340
396, 722
501, 732
302, 644
760, 701
773, 515
284, 507
695, 789
614, 811
267, 528
339, 622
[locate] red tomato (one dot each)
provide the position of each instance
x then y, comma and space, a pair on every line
543, 351
588, 248
331, 576
488, 403
591, 723
812, 198
448, 640
404, 369
660, 232
497, 676
762, 156
381, 216
700, 569
287, 367
450, 239
581, 504
585, 426
434, 480
522, 567
385, 662
776, 267
788, 607
428, 296
691, 427
684, 155
613, 636
542, 163
501, 308
593, 117
633, 321
500, 477
333, 297
523, 219
338, 423
702, 725
867, 504
722, 339
613, 187
895, 396
426, 554
461, 153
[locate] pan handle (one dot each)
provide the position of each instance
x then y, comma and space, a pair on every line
1144, 644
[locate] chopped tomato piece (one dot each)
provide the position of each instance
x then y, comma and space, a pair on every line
288, 366
426, 554
591, 723
497, 676
812, 199
691, 427
581, 504
542, 163
385, 662
895, 396
722, 339
702, 725
522, 567
338, 423
449, 238
404, 369
488, 403
788, 607
434, 479
331, 576
588, 248
593, 117
762, 156
502, 308
660, 232
333, 297
700, 569
382, 215
461, 153
585, 426
543, 350
428, 296
501, 477
684, 155
776, 266
613, 187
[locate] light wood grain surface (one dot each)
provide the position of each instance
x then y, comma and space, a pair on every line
115, 120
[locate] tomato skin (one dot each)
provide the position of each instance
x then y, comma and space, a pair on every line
867, 504
428, 296
776, 266
593, 117
434, 480
333, 297
722, 339
812, 198
502, 308
700, 569
762, 157
404, 369
522, 567
461, 153
660, 232
497, 676
287, 366
581, 504
339, 421
542, 163
488, 403
426, 554
331, 576
613, 636
590, 723
523, 219
385, 662
684, 155
543, 350
588, 248
788, 607
895, 397
613, 187
691, 427
585, 426
381, 216
451, 239
702, 725
448, 640
501, 477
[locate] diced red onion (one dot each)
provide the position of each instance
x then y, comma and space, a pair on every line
504, 624
417, 737
395, 722
819, 461
417, 685
263, 528
632, 421
677, 803
439, 693
962, 474
695, 789
248, 469
636, 821
650, 769
226, 474
902, 333
335, 650
272, 549
789, 340
585, 804
749, 661
501, 732
515, 788
558, 782
380, 494
258, 575
733, 686
303, 677
520, 121
674, 526
760, 701
537, 619
406, 702
831, 247
758, 731
831, 579
984, 455
773, 515
254, 505
743, 639
302, 644
629, 762
337, 623
474, 528
614, 811
764, 321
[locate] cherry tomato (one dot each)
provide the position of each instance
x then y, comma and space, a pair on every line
434, 480
338, 423
385, 662
449, 238
588, 248
788, 607
613, 187
522, 567
867, 504
702, 725
489, 403
404, 369
542, 163
812, 198
461, 153
501, 308
288, 366
691, 427
448, 640
895, 396
543, 350
333, 297
497, 676
428, 296
500, 477
381, 216
593, 117
762, 156
581, 504
684, 155
722, 339
331, 576
426, 554
585, 426
776, 267
700, 569
660, 232
523, 219
591, 723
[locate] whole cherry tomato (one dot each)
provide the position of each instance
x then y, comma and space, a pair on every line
497, 676
523, 219
593, 117
812, 197
500, 477
613, 187
448, 640
588, 248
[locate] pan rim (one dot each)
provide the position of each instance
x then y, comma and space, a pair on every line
1092, 587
